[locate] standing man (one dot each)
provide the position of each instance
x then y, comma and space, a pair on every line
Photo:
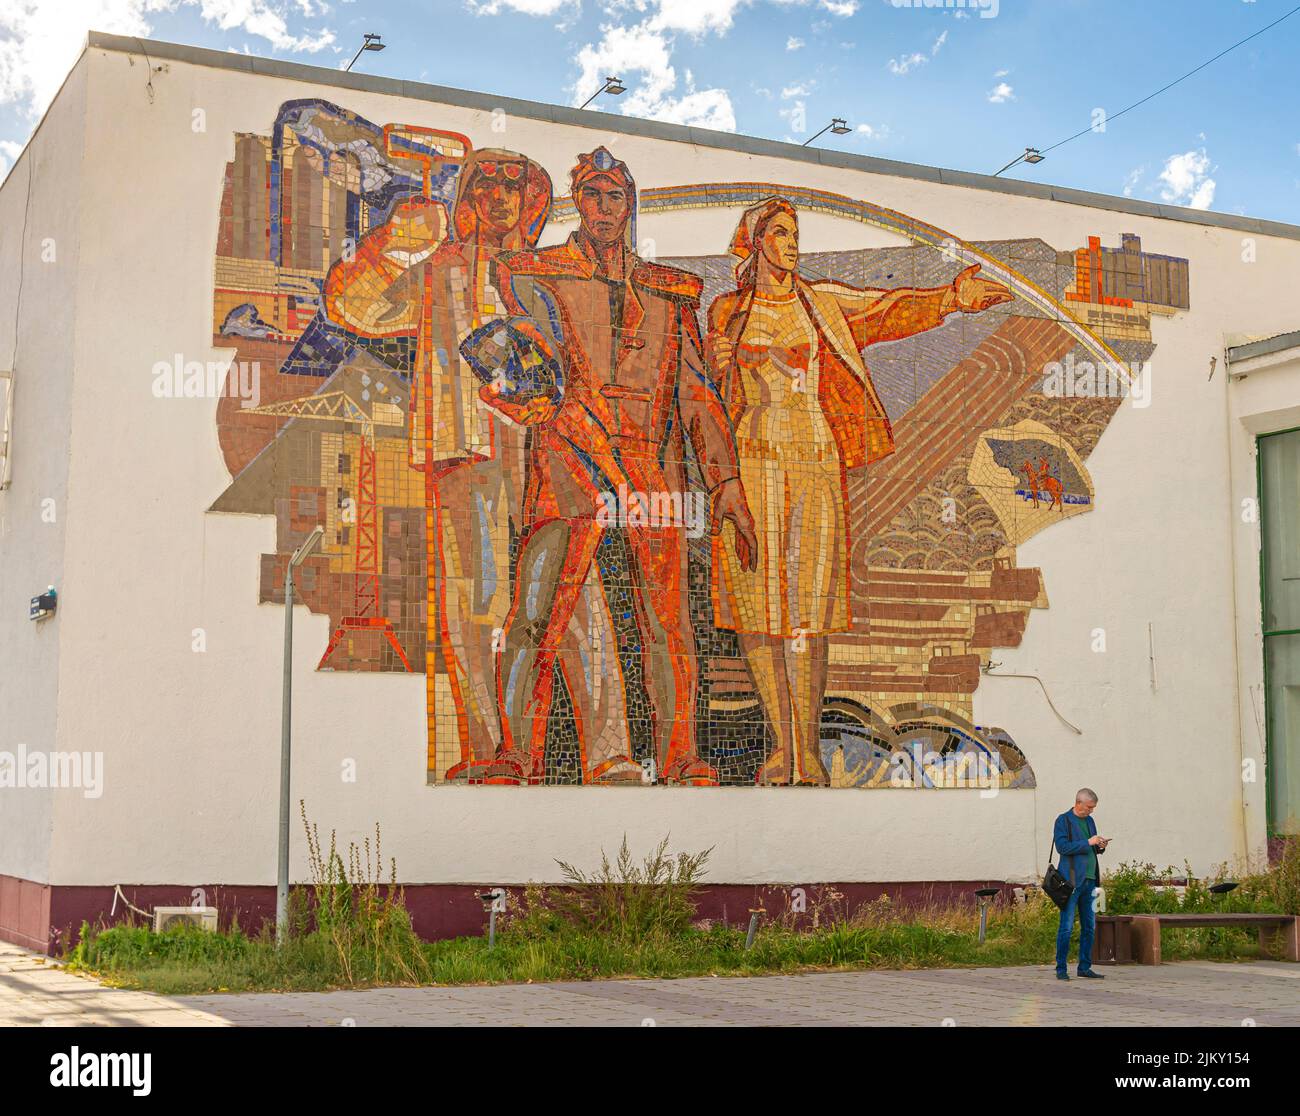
416, 278
635, 388
1076, 840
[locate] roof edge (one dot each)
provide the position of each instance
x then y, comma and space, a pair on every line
1266, 347
677, 133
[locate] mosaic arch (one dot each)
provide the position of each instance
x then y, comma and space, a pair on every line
744, 517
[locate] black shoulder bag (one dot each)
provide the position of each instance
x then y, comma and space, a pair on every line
1057, 887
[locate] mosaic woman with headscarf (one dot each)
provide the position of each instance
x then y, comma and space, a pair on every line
787, 353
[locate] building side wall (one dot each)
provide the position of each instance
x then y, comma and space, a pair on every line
40, 224
187, 714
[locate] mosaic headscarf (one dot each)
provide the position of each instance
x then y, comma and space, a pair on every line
744, 243
601, 164
534, 205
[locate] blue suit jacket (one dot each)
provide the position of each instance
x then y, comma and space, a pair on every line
1073, 848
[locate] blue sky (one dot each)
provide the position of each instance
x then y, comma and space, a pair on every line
933, 85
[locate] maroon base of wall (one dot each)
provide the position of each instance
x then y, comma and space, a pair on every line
48, 917
25, 912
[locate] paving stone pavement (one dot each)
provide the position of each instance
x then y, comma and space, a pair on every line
37, 992
1266, 993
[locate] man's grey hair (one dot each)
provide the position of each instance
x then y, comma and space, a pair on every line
1086, 794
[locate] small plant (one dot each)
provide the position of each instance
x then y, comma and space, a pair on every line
365, 921
1277, 886
632, 902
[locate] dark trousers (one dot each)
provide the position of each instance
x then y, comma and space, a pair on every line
1082, 900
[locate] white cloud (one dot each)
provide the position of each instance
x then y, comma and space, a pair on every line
40, 41
1187, 180
1134, 177
265, 19
873, 132
9, 152
1001, 93
695, 17
641, 52
1002, 73
910, 62
799, 89
906, 64
646, 51
526, 7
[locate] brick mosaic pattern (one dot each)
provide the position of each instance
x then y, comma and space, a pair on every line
747, 516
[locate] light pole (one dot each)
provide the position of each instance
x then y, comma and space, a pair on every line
373, 42
286, 723
1031, 155
836, 127
612, 86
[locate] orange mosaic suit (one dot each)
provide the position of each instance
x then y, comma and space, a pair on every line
636, 387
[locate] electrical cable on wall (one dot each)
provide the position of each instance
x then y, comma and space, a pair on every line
988, 669
117, 894
148, 69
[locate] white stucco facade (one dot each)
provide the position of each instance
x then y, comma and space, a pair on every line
1165, 565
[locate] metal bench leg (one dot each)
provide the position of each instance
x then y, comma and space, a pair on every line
1146, 939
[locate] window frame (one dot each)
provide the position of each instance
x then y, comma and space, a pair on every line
1265, 633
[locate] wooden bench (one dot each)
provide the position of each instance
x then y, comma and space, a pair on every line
1126, 939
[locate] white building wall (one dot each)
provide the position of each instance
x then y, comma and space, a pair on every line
39, 233
191, 740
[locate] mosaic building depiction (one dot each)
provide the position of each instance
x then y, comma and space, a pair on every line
749, 516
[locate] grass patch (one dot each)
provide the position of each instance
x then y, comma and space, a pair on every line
349, 930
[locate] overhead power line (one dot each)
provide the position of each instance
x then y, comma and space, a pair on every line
1176, 81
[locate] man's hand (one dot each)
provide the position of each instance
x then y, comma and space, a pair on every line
541, 409
719, 350
729, 503
414, 230
970, 294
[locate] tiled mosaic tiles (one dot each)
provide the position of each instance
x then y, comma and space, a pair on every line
743, 517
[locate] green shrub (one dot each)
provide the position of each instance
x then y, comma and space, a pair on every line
364, 920
630, 901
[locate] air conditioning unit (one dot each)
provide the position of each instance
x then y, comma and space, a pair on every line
201, 918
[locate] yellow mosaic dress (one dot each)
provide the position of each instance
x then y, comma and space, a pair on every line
790, 467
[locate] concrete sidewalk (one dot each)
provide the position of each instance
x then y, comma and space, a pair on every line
36, 992
1265, 993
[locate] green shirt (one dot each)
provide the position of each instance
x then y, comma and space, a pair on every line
1092, 851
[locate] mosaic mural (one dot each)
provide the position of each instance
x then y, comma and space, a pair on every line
745, 517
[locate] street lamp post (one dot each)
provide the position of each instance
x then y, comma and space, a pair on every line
613, 86
836, 127
286, 723
372, 42
1031, 155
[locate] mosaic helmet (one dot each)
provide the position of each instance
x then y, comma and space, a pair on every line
535, 204
601, 164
